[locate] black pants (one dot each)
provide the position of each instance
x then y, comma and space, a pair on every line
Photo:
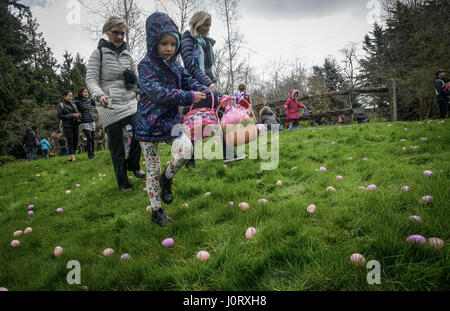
71, 134
117, 150
90, 142
443, 108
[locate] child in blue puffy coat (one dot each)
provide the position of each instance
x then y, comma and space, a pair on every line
163, 87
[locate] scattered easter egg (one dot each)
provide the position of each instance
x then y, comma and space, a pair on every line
404, 148
30, 207
35, 198
258, 181
169, 242
311, 208
58, 251
18, 233
333, 143
185, 205
389, 125
416, 239
339, 177
402, 140
125, 257
405, 188
371, 187
68, 191
262, 201
294, 168
362, 188
225, 166
108, 252
15, 243
428, 173
59, 210
424, 139
349, 158
436, 242
244, 206
207, 194
93, 183
250, 233
416, 218
78, 185
358, 259
30, 213
3, 289
38, 175
426, 199
405, 129
149, 209
28, 230
203, 255
279, 183
322, 169
231, 204
331, 189
365, 159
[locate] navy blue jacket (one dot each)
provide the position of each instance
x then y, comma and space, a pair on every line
441, 94
163, 86
190, 52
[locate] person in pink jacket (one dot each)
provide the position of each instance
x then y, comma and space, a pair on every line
292, 105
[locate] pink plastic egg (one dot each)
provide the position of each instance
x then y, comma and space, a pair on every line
231, 204
435, 242
250, 233
279, 183
402, 140
371, 187
169, 242
405, 188
59, 210
28, 230
428, 173
416, 218
18, 233
78, 185
358, 259
428, 199
15, 243
339, 177
58, 251
68, 191
108, 252
125, 257
311, 209
416, 239
263, 201
322, 169
203, 255
30, 207
30, 213
244, 206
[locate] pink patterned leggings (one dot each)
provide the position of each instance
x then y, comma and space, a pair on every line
181, 153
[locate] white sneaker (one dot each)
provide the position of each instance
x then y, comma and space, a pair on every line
238, 157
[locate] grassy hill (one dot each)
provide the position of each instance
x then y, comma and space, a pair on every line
292, 250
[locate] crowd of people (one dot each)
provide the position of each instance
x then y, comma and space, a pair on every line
144, 104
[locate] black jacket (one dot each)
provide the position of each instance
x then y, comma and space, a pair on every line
268, 117
65, 113
442, 95
29, 138
190, 54
85, 108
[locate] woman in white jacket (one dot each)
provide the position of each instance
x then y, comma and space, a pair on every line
111, 78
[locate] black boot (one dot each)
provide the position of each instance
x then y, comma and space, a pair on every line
166, 188
159, 217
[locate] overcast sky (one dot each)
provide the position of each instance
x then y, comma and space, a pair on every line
310, 29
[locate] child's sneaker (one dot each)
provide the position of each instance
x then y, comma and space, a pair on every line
159, 217
166, 188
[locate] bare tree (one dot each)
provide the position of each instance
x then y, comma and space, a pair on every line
133, 15
351, 63
180, 10
228, 12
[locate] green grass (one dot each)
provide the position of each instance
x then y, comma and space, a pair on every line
292, 250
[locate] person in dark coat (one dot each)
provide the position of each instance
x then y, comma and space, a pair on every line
29, 144
442, 88
268, 118
70, 120
84, 105
164, 87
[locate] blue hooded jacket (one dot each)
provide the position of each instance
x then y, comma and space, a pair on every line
163, 85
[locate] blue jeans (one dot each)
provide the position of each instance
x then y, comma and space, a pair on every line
30, 149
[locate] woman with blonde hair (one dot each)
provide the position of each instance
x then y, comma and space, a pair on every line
111, 79
198, 58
